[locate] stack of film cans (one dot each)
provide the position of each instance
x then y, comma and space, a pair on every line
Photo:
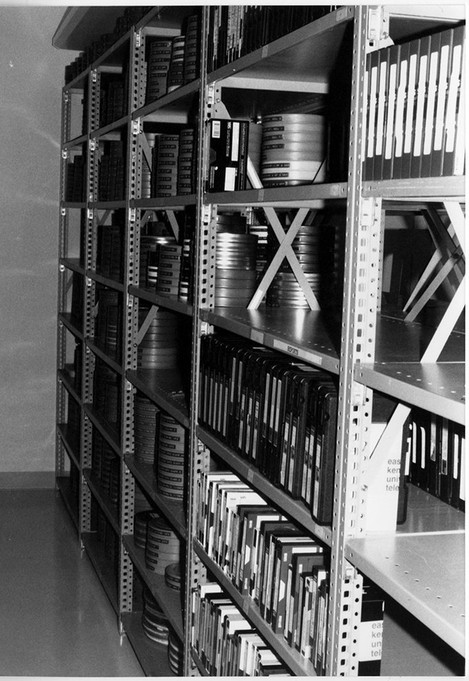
192, 48
146, 429
175, 654
285, 290
186, 161
293, 149
176, 66
169, 269
159, 346
162, 546
154, 622
165, 165
170, 460
236, 253
149, 256
172, 576
158, 64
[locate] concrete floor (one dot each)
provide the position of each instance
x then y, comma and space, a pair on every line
55, 619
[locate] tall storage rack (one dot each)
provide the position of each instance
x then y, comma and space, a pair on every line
367, 351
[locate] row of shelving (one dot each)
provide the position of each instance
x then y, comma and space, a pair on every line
380, 354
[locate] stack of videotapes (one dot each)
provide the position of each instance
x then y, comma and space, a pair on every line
170, 461
293, 149
236, 253
166, 165
192, 51
154, 621
175, 654
157, 69
158, 348
169, 269
176, 66
149, 245
285, 290
162, 546
146, 181
146, 428
172, 576
186, 161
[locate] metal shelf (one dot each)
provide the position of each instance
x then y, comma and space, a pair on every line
175, 104
71, 442
438, 388
169, 599
107, 506
305, 55
292, 658
168, 302
67, 377
105, 281
152, 656
106, 572
423, 572
73, 264
110, 361
169, 203
302, 334
427, 513
164, 388
400, 341
172, 510
108, 430
294, 509
68, 321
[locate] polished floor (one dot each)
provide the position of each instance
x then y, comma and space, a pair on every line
55, 619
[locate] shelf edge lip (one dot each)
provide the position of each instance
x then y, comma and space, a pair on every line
269, 195
106, 281
105, 505
160, 396
155, 203
72, 264
110, 434
289, 655
428, 189
155, 298
112, 363
81, 139
110, 127
370, 376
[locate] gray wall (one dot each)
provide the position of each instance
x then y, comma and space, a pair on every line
31, 78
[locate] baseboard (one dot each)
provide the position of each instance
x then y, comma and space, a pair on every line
33, 480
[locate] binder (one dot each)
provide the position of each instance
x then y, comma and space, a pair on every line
446, 42
454, 105
430, 105
393, 56
410, 109
401, 108
422, 79
380, 114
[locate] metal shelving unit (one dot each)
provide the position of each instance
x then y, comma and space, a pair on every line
363, 348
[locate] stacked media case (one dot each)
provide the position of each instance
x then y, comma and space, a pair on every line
212, 455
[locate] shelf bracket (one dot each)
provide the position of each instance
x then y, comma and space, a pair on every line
377, 26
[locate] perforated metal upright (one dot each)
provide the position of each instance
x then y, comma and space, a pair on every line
360, 304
